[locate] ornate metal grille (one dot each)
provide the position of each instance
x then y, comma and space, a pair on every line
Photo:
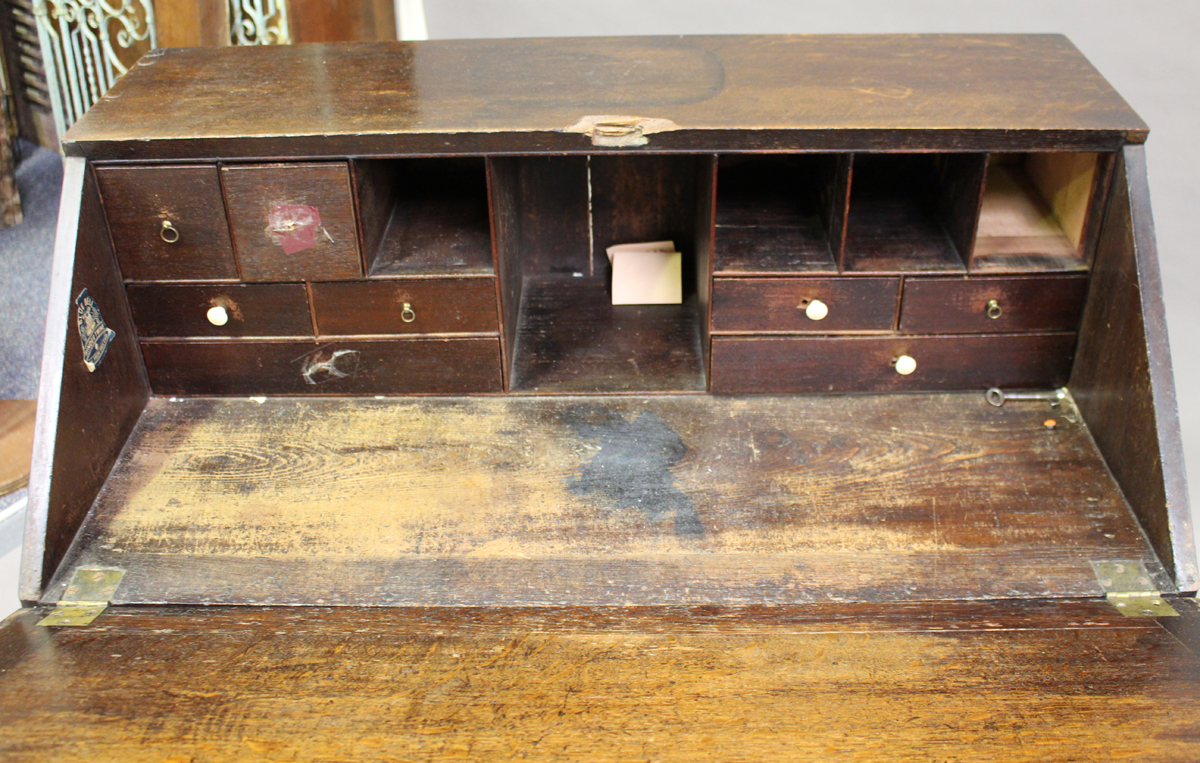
259, 22
83, 45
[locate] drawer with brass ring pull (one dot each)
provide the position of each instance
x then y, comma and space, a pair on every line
168, 223
992, 305
406, 306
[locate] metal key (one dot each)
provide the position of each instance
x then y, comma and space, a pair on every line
999, 397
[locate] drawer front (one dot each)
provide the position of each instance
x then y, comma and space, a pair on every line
418, 306
785, 304
956, 305
865, 364
292, 222
167, 223
396, 366
181, 310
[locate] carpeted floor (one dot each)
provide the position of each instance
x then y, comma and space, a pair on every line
25, 255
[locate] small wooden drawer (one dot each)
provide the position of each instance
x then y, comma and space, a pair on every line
208, 310
407, 306
167, 223
292, 222
362, 367
786, 305
992, 305
868, 364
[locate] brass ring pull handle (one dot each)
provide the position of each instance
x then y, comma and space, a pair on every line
169, 233
993, 309
407, 315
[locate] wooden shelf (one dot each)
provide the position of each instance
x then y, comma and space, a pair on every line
1033, 213
429, 217
905, 210
773, 215
570, 338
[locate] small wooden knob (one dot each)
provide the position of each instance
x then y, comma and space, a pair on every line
816, 310
218, 316
905, 365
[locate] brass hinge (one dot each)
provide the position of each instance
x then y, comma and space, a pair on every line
1129, 587
87, 596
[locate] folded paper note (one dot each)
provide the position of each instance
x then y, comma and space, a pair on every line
646, 274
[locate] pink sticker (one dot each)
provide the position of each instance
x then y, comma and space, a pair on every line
294, 226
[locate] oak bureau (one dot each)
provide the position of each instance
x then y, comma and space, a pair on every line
345, 453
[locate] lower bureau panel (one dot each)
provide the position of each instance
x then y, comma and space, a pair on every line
382, 367
867, 364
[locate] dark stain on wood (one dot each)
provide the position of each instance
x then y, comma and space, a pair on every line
633, 467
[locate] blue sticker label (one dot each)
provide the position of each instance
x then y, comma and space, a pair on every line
93, 334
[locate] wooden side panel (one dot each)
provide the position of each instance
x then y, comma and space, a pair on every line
83, 416
503, 183
1122, 378
960, 192
1011, 681
706, 207
375, 197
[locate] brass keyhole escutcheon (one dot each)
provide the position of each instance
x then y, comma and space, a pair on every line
169, 233
406, 314
993, 309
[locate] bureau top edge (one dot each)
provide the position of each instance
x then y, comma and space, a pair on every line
728, 93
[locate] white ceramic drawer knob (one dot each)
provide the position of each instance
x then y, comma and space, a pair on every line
218, 316
905, 365
816, 310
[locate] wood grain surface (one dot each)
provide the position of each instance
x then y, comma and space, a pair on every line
795, 364
1002, 681
960, 306
583, 500
1123, 373
395, 366
137, 200
251, 193
777, 305
571, 338
438, 305
253, 310
726, 93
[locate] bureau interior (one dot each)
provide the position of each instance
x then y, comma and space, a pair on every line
555, 218
611, 498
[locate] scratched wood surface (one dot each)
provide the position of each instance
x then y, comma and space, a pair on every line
583, 500
726, 93
997, 681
